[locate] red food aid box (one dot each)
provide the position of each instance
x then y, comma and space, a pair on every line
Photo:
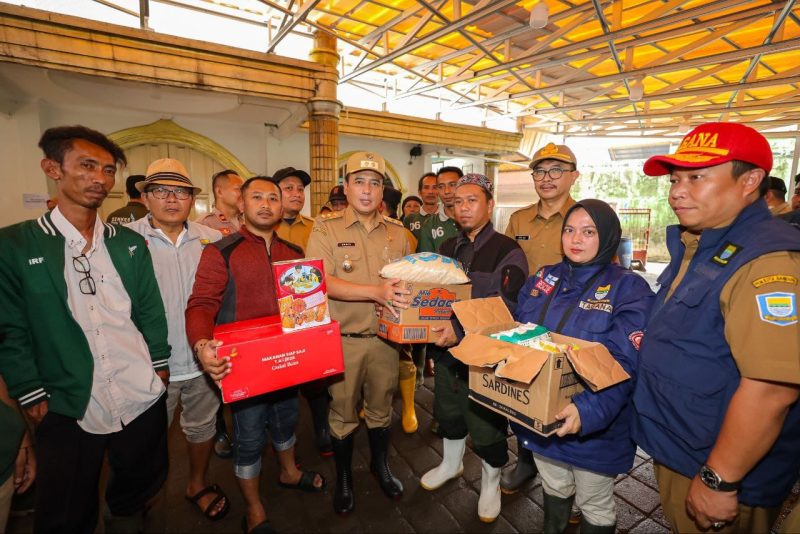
266, 359
302, 293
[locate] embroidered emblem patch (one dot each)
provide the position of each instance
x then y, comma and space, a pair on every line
522, 237
636, 338
602, 291
777, 308
534, 292
546, 284
726, 253
132, 250
784, 278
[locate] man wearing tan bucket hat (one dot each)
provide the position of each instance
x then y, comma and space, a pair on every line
176, 245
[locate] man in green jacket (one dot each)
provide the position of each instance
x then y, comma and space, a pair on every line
85, 346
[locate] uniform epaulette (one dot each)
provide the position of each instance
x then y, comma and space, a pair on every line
392, 220
331, 215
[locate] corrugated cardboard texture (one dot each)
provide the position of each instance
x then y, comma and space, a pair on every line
527, 385
484, 316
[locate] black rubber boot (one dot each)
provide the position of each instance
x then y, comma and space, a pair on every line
525, 470
556, 513
343, 498
318, 405
588, 528
379, 447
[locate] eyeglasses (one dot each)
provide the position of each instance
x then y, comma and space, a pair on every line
554, 173
162, 193
82, 266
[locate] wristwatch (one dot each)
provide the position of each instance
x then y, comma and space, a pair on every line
711, 479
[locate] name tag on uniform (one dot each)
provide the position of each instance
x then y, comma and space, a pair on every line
345, 244
522, 237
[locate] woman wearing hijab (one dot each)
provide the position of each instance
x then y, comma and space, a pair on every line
588, 297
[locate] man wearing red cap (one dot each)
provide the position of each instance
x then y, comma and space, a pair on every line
716, 404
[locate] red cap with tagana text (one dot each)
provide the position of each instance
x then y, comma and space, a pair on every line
715, 143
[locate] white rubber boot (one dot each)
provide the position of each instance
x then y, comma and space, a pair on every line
451, 467
489, 501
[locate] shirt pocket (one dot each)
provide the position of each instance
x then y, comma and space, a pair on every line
352, 257
112, 294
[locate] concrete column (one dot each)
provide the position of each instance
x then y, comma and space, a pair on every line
323, 123
491, 167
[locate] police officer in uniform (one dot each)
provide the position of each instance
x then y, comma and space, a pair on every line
537, 229
716, 396
354, 245
224, 217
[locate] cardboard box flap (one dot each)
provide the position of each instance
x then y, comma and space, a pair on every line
514, 362
593, 363
483, 316
523, 365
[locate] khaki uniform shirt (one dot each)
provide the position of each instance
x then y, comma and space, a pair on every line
296, 233
218, 221
762, 350
539, 238
342, 238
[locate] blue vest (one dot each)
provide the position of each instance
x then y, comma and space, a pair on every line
687, 374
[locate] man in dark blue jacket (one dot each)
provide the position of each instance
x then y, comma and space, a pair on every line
716, 396
496, 266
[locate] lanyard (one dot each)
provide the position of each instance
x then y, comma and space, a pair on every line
570, 309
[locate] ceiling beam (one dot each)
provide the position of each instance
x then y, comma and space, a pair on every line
297, 18
704, 110
781, 79
741, 54
779, 19
630, 31
471, 18
557, 57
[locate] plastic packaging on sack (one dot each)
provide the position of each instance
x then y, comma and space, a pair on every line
426, 267
529, 335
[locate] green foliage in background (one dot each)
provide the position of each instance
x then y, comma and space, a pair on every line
623, 184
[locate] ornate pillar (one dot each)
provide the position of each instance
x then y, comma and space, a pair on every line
491, 167
323, 122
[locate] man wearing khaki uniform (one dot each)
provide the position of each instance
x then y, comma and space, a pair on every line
354, 245
537, 229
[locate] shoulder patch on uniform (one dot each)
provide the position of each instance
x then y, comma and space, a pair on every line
775, 278
777, 308
726, 253
636, 338
329, 216
392, 220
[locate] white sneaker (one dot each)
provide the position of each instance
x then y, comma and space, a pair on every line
489, 501
451, 467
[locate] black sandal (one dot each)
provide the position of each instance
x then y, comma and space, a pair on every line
306, 483
213, 488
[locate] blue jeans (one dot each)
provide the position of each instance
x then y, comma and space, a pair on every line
275, 413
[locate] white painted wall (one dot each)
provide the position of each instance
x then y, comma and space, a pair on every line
251, 142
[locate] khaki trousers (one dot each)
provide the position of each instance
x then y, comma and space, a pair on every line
371, 370
673, 488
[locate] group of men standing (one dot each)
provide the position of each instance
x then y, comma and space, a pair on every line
106, 329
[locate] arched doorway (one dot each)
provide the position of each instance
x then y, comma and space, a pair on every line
166, 139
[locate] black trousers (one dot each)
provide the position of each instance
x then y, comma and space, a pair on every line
69, 461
